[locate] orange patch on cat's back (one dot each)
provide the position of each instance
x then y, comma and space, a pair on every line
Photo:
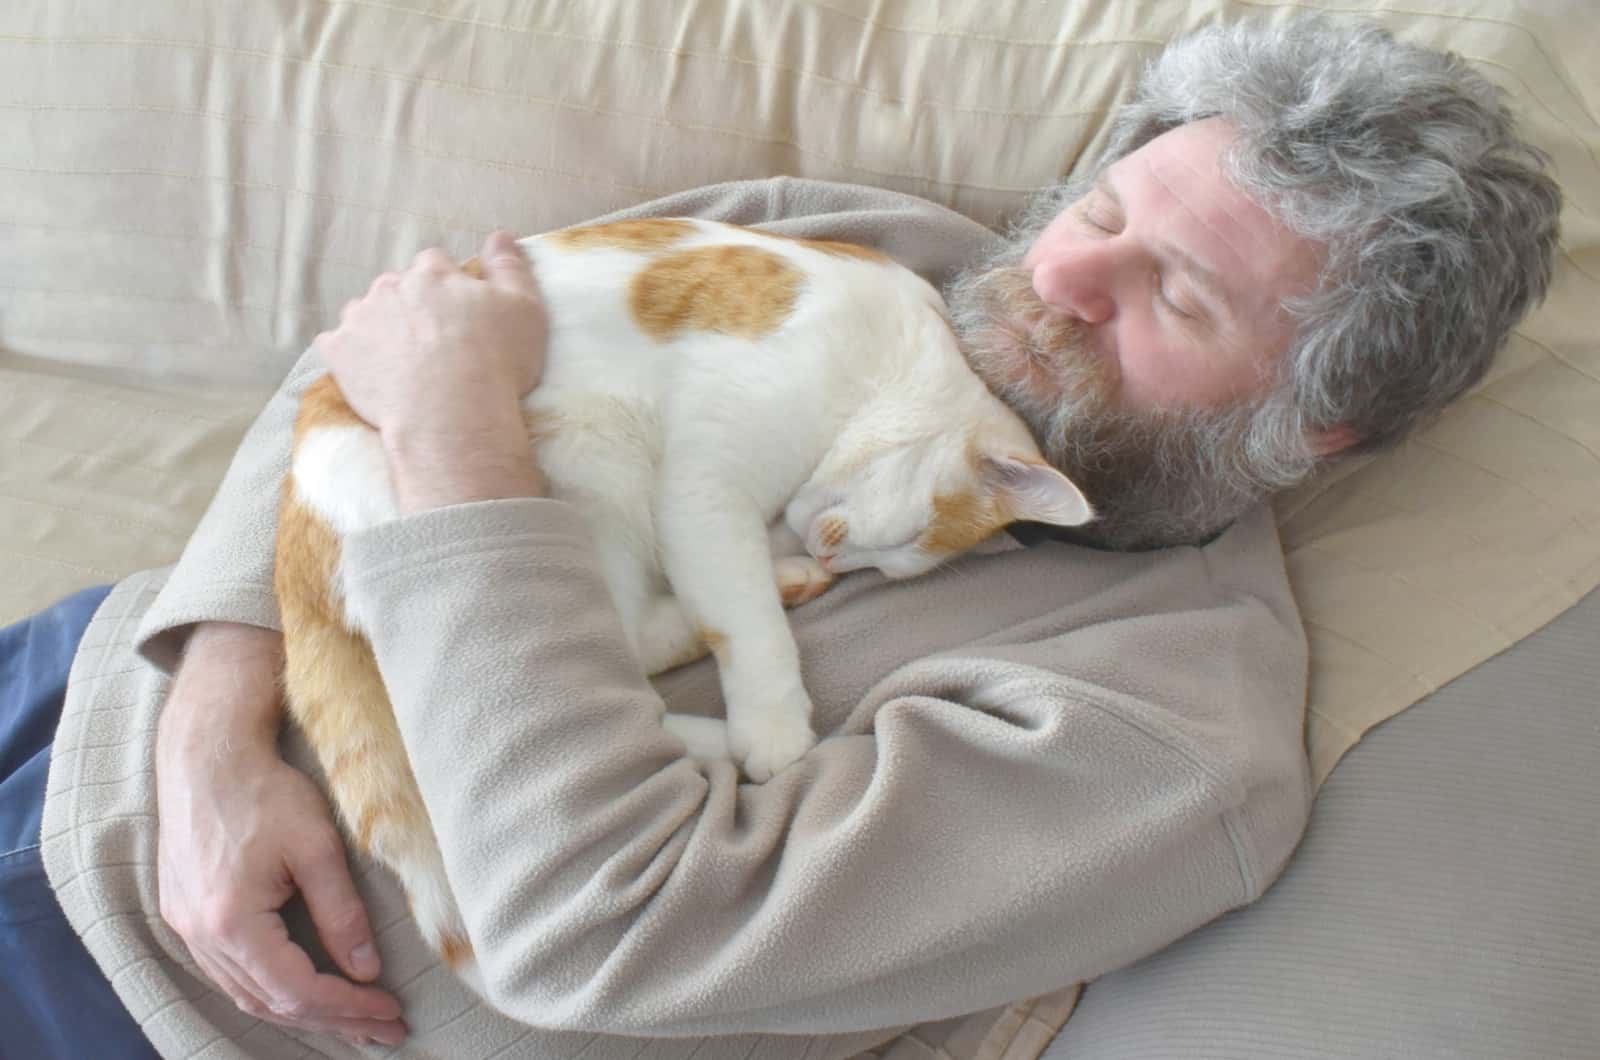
647, 234
960, 520
733, 289
323, 405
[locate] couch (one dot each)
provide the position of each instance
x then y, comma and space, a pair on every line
189, 190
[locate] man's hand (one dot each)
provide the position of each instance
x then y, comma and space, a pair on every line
438, 361
240, 831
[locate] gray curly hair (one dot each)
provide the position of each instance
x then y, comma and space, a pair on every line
1439, 220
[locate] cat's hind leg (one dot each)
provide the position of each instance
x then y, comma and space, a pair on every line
667, 637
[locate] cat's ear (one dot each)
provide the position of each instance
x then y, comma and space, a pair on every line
1035, 491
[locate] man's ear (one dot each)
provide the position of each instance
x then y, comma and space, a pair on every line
1333, 440
1036, 491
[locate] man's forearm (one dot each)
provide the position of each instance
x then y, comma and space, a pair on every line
226, 689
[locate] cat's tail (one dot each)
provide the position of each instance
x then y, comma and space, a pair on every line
336, 695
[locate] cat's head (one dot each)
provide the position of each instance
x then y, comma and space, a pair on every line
905, 506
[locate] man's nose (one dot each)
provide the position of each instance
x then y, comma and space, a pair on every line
1078, 281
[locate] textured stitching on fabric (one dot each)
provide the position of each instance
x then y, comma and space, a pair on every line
1422, 683
167, 414
513, 1043
1565, 253
99, 572
191, 238
590, 178
209, 178
1535, 97
475, 90
137, 815
91, 455
853, 87
1557, 357
588, 1042
1435, 447
1461, 608
469, 1010
987, 38
405, 984
144, 772
1573, 438
76, 748
96, 901
298, 307
120, 519
106, 675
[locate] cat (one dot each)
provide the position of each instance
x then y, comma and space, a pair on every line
740, 417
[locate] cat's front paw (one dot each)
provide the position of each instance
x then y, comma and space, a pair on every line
766, 741
800, 579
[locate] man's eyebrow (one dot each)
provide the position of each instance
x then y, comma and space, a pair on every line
1203, 277
1200, 274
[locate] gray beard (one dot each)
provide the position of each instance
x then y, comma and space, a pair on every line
1157, 477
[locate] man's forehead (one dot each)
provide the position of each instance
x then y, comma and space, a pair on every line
1181, 172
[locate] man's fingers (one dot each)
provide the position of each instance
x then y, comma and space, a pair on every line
323, 876
252, 1001
320, 1015
282, 974
433, 260
246, 1001
389, 1032
505, 266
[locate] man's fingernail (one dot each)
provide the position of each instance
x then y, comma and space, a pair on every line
365, 959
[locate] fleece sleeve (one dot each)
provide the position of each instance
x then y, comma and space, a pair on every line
1004, 827
225, 572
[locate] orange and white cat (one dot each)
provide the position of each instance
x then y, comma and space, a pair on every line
740, 417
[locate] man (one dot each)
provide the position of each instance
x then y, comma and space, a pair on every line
1045, 762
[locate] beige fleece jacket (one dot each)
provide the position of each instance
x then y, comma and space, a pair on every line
1043, 764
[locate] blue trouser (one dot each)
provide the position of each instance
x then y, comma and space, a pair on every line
54, 1000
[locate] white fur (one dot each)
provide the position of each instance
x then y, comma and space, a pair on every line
686, 455
342, 475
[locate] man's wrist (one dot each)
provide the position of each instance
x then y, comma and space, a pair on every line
436, 466
226, 689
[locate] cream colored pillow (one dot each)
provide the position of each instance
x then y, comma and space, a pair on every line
188, 191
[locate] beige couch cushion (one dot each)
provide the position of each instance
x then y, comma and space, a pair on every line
189, 190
